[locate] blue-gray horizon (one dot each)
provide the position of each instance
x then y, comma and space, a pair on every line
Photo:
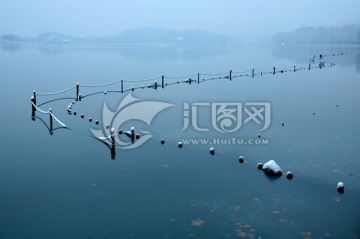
246, 20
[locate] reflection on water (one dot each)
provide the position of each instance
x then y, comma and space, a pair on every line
146, 53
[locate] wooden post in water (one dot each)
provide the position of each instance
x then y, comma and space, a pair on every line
77, 91
122, 86
309, 66
198, 78
51, 121
253, 73
33, 105
230, 75
112, 134
274, 70
294, 69
162, 81
132, 134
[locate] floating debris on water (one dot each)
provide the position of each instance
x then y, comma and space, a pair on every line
271, 168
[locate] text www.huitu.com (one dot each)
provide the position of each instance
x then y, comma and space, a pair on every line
225, 141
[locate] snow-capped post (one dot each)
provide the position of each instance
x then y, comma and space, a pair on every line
77, 91
162, 81
51, 121
253, 73
122, 86
230, 74
33, 105
112, 134
132, 134
198, 78
112, 149
274, 70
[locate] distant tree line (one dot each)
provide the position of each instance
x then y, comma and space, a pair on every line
347, 34
139, 36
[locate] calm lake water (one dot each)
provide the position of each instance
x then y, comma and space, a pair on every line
66, 185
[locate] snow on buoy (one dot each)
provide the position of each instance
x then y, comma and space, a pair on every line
212, 151
180, 145
105, 92
340, 187
289, 175
162, 141
241, 159
260, 166
82, 116
282, 123
271, 168
259, 135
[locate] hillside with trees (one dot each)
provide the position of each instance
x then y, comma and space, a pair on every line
347, 34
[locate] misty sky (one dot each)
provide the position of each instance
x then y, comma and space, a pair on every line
245, 19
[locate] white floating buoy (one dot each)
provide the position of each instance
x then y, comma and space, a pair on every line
241, 159
112, 130
340, 187
289, 175
180, 144
212, 151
